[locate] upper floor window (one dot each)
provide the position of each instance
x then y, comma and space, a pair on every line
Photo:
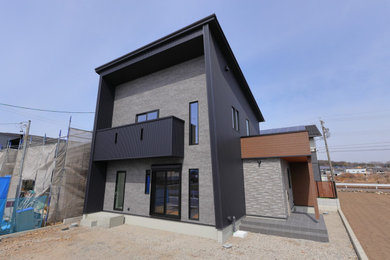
235, 119
194, 123
247, 127
147, 116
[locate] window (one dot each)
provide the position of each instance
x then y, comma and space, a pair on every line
147, 116
27, 186
235, 119
194, 194
247, 127
289, 177
119, 190
147, 182
194, 123
165, 197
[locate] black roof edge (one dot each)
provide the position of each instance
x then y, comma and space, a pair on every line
252, 99
154, 43
193, 26
282, 133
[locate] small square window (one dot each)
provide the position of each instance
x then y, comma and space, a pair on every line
147, 116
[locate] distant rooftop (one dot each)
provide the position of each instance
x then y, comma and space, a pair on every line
311, 129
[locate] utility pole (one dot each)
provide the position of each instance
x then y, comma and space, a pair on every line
18, 188
325, 132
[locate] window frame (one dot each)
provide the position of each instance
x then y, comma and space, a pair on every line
247, 127
124, 190
289, 178
147, 184
236, 119
189, 194
189, 124
146, 114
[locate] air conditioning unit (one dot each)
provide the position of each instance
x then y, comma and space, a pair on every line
313, 149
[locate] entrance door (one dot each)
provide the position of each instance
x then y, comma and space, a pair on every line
166, 193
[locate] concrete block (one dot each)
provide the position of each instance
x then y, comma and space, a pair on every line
72, 220
88, 223
102, 219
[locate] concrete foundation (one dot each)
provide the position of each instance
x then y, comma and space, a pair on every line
108, 220
102, 219
304, 209
328, 204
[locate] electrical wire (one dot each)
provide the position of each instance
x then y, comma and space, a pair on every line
47, 110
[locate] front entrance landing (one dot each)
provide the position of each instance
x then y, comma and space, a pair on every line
297, 225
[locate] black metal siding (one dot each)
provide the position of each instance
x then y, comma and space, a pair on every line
223, 93
162, 137
96, 180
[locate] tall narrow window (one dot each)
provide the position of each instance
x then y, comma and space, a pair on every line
289, 177
235, 119
194, 123
119, 190
194, 194
147, 182
247, 127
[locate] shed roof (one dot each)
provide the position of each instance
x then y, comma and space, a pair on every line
311, 129
216, 30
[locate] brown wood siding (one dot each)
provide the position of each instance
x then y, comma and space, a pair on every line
277, 145
326, 189
302, 187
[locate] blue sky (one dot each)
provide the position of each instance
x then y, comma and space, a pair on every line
303, 60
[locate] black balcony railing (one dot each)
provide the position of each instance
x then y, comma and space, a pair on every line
162, 137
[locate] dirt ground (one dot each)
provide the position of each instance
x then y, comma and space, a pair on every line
132, 242
368, 214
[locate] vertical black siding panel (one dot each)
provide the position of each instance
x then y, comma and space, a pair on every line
227, 93
96, 180
212, 126
158, 140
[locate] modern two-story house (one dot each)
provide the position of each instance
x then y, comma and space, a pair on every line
168, 123
166, 148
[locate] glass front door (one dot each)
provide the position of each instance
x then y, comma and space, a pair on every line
166, 193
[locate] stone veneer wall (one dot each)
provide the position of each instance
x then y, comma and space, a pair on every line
264, 188
170, 91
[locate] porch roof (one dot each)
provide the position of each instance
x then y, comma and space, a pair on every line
290, 146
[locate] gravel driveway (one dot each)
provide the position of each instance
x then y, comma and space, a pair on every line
132, 242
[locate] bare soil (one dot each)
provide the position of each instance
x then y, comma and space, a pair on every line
368, 214
132, 242
383, 178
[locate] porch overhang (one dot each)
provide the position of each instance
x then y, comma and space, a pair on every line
293, 147
289, 146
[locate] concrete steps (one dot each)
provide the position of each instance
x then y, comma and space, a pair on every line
297, 226
102, 219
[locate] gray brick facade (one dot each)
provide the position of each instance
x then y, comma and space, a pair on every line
265, 194
170, 91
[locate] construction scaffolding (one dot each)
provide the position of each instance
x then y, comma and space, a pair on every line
53, 179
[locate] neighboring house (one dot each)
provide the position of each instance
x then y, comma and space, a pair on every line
166, 142
7, 139
357, 170
13, 140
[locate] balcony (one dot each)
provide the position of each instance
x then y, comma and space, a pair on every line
163, 137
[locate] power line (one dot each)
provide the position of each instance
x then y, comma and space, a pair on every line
10, 123
48, 110
362, 150
357, 144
